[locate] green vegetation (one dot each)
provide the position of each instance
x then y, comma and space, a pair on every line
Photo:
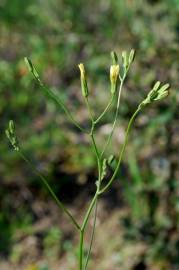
57, 35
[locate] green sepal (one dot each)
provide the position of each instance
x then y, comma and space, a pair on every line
84, 87
113, 88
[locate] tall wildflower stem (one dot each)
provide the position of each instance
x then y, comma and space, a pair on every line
158, 92
94, 200
92, 236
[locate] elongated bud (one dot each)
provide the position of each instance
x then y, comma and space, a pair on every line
114, 58
11, 127
84, 85
114, 75
131, 56
125, 59
156, 85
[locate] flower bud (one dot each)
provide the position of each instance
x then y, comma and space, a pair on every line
114, 58
84, 86
125, 60
11, 127
114, 74
131, 56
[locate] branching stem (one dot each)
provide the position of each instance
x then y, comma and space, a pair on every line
122, 152
115, 118
105, 110
58, 101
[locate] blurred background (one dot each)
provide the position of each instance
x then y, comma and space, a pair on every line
138, 219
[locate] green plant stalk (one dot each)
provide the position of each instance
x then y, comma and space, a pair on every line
116, 115
99, 159
82, 231
92, 236
122, 151
56, 99
89, 110
58, 202
59, 102
99, 192
156, 93
81, 251
105, 110
94, 200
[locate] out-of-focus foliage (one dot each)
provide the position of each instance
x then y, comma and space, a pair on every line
57, 35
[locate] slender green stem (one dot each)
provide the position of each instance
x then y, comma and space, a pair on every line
105, 110
58, 202
115, 118
94, 145
92, 136
122, 151
92, 236
99, 158
89, 211
81, 250
58, 101
89, 109
86, 218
